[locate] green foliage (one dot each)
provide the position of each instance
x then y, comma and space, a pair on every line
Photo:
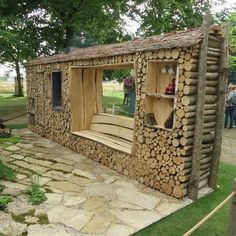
229, 17
117, 75
35, 195
6, 172
182, 220
232, 42
12, 139
17, 126
164, 16
2, 187
4, 200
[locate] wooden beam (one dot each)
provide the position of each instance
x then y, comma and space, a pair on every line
77, 99
99, 76
197, 142
223, 72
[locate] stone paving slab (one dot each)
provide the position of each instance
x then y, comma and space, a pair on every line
84, 198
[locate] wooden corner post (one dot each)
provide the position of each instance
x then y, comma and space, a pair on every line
199, 118
232, 220
222, 81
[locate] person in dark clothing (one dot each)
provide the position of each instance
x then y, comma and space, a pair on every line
229, 110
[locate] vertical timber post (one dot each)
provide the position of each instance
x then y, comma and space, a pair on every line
232, 220
222, 80
198, 130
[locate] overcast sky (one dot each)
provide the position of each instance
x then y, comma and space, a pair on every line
132, 26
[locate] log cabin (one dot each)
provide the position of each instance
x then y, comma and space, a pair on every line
172, 143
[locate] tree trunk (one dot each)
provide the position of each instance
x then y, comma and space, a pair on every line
18, 88
69, 37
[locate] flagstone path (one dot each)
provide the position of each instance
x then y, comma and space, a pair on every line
83, 197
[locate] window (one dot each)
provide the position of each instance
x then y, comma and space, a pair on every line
56, 90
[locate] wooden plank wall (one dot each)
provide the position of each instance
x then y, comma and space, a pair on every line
86, 96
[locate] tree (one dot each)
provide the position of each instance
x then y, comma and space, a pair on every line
159, 16
85, 23
24, 33
26, 27
230, 18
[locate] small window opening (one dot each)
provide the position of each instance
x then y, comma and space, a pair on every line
56, 90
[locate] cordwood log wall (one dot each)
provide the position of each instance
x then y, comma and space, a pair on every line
161, 158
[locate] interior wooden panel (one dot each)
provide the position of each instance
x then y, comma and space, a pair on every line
77, 99
151, 77
162, 108
163, 79
89, 94
99, 77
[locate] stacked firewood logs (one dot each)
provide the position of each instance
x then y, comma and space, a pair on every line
161, 157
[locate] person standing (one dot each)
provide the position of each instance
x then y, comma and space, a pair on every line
127, 85
229, 109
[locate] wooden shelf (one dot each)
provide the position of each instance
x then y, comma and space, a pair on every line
161, 95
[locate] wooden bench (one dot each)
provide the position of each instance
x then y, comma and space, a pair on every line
113, 131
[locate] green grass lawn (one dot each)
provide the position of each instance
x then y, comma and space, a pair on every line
184, 219
116, 98
11, 106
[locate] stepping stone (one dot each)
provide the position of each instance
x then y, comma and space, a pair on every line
118, 230
50, 230
12, 148
65, 186
6, 159
57, 175
61, 160
12, 188
31, 219
137, 198
97, 225
63, 167
72, 200
5, 153
167, 208
74, 218
100, 189
20, 177
94, 203
53, 198
20, 205
38, 162
36, 168
17, 156
25, 145
125, 205
78, 180
137, 219
9, 226
84, 173
45, 143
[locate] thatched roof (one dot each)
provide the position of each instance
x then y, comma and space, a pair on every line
178, 39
